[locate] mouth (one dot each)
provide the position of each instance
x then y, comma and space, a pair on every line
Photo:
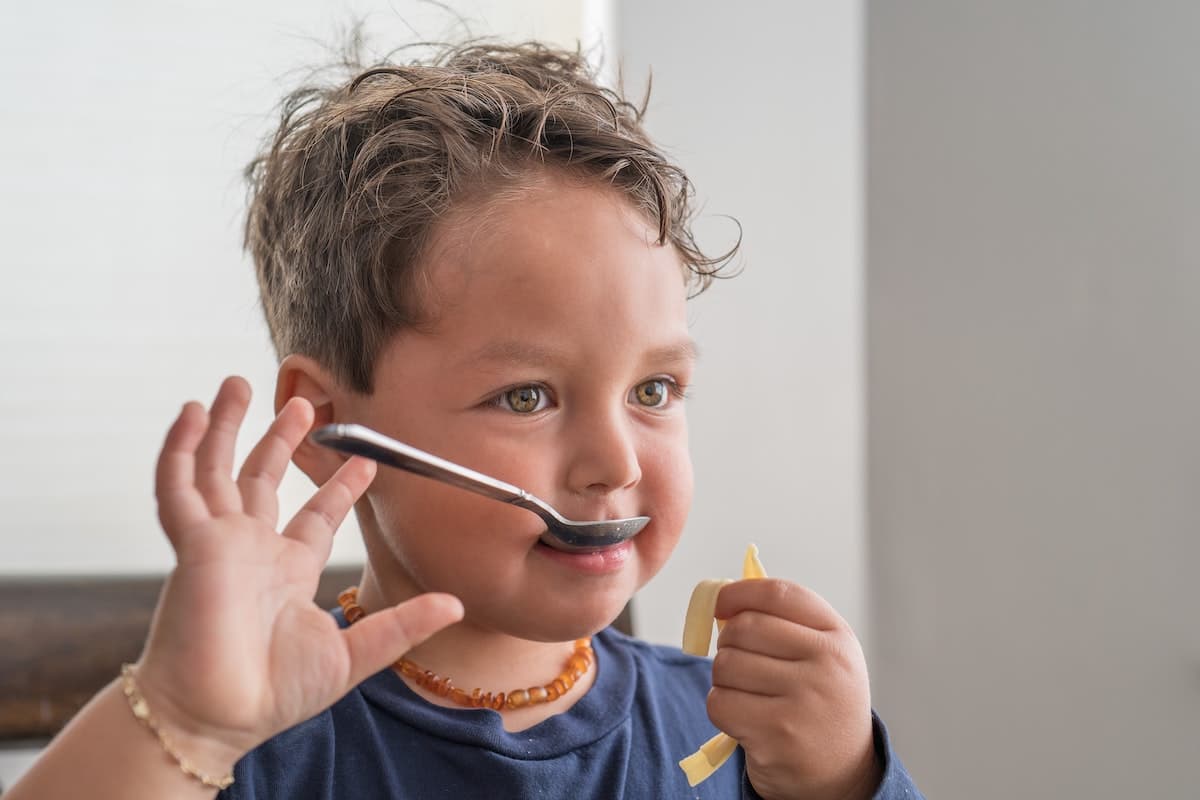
588, 560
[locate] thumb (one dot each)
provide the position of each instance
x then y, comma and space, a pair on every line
379, 639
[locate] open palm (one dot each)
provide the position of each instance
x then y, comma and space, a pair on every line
238, 651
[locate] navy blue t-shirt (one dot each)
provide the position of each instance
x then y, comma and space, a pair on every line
623, 739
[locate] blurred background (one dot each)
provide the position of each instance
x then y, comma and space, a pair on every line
955, 389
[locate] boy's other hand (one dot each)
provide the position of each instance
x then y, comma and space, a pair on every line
238, 651
790, 684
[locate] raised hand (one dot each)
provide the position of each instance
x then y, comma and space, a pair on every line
790, 684
238, 651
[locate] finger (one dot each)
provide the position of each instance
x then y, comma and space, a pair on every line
780, 598
179, 502
315, 523
260, 476
759, 632
737, 712
381, 638
753, 672
214, 457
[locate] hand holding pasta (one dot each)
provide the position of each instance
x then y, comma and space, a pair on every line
789, 685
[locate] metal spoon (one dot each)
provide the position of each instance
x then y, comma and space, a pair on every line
561, 533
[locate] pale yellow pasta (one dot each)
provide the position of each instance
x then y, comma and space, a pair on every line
698, 623
697, 639
704, 762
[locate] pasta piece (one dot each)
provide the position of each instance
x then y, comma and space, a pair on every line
697, 638
751, 566
698, 623
704, 762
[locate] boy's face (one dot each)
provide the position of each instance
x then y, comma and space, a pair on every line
554, 361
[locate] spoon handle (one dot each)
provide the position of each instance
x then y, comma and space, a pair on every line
362, 441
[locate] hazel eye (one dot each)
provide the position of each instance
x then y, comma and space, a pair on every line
653, 393
524, 399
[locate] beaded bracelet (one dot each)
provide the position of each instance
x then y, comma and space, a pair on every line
141, 711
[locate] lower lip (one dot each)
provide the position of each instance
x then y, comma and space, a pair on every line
597, 562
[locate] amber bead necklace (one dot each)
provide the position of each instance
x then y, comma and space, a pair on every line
577, 666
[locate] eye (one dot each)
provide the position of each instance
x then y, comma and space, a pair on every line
523, 399
653, 393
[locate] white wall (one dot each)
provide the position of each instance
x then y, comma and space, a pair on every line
125, 292
760, 103
1034, 306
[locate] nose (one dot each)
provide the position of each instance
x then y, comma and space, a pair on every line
603, 453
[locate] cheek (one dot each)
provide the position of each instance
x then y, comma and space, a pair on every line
667, 482
438, 533
667, 470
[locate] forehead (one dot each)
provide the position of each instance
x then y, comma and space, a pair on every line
552, 257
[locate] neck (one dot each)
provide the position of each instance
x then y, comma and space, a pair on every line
472, 656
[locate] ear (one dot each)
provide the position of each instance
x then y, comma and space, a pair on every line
301, 376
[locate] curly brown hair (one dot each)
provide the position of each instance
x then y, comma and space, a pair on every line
346, 196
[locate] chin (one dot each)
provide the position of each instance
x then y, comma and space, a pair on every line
587, 622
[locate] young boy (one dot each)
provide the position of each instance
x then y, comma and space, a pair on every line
483, 256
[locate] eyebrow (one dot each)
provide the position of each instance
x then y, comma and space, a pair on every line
511, 351
684, 350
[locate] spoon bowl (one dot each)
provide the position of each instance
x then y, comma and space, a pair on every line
561, 533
